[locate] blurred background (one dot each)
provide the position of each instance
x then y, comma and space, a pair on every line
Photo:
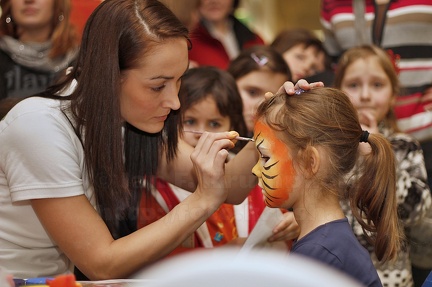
265, 17
271, 16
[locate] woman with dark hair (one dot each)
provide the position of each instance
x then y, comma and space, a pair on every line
37, 44
73, 158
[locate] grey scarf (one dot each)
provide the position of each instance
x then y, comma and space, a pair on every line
35, 55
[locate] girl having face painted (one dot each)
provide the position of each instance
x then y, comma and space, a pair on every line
211, 102
308, 144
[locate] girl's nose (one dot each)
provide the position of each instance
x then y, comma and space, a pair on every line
365, 93
256, 170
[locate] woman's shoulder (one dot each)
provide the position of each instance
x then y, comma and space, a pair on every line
34, 111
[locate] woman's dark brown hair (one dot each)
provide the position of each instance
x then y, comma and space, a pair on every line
117, 36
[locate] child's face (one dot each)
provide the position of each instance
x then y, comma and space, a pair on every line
274, 169
369, 89
215, 10
304, 62
204, 116
252, 88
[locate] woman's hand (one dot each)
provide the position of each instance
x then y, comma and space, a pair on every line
208, 158
290, 88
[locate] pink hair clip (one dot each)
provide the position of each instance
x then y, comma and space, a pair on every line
261, 61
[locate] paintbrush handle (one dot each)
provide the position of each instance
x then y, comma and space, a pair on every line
237, 138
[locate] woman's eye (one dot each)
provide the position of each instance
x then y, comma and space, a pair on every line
158, 89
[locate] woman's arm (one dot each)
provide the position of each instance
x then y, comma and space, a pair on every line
238, 176
80, 232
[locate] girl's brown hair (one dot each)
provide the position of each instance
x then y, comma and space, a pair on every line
384, 60
63, 33
326, 118
117, 36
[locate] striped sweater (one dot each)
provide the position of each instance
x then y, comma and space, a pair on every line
408, 33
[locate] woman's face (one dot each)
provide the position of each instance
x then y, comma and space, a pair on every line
204, 116
304, 62
150, 92
215, 10
32, 15
369, 88
252, 88
275, 170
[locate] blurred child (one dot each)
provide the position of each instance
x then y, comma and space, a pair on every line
257, 70
303, 52
210, 102
38, 43
220, 36
368, 76
308, 144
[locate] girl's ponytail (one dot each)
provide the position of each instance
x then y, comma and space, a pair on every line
374, 201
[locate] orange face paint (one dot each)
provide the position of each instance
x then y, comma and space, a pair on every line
274, 169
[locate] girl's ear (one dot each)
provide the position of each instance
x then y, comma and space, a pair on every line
314, 160
311, 161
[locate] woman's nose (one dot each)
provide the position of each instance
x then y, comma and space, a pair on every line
172, 100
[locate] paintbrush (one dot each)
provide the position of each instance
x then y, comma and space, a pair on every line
237, 138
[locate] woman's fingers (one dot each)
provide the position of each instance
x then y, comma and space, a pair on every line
290, 88
209, 159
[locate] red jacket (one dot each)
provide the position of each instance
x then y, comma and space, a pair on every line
208, 51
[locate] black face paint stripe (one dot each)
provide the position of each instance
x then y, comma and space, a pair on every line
270, 166
268, 176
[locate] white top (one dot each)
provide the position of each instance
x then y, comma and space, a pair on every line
40, 157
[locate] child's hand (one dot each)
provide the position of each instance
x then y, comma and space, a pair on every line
287, 229
368, 121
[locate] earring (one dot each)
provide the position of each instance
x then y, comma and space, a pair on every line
8, 19
61, 17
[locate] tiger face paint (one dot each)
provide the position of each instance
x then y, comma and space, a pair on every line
274, 169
